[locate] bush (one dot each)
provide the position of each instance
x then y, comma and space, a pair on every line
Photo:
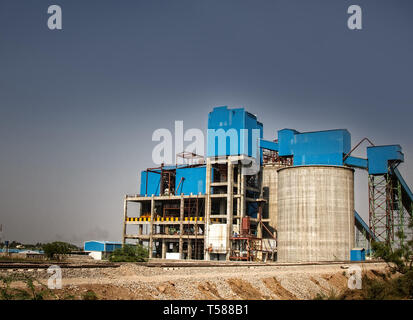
57, 250
30, 293
89, 295
399, 259
130, 253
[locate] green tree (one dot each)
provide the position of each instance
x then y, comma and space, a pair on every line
57, 250
130, 253
400, 258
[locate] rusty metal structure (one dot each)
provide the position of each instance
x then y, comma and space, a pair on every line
248, 245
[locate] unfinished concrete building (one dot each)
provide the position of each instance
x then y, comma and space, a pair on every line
289, 199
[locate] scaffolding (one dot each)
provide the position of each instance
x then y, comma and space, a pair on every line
249, 244
167, 224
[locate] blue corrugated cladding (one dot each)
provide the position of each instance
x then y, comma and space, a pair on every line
378, 157
230, 124
103, 246
94, 246
314, 148
111, 246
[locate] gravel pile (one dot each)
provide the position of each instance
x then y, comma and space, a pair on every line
131, 281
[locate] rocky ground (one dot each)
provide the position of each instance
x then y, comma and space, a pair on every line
132, 281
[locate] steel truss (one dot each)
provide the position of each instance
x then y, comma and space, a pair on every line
387, 215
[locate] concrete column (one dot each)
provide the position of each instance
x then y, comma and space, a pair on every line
151, 227
181, 227
189, 249
230, 205
242, 196
140, 227
163, 249
259, 230
207, 207
125, 215
239, 193
259, 224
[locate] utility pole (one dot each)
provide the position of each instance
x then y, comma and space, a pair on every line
6, 243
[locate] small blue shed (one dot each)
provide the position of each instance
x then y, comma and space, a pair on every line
358, 254
101, 246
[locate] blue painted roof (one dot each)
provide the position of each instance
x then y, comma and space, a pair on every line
103, 246
105, 242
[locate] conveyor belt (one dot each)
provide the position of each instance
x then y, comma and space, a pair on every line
408, 198
363, 225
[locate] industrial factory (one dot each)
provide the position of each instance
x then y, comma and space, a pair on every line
290, 199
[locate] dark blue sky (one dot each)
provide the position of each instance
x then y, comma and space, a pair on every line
78, 106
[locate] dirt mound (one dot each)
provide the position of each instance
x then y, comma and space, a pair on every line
168, 289
132, 281
244, 290
316, 282
209, 291
375, 274
100, 292
275, 286
336, 280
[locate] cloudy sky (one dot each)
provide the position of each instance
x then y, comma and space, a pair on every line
78, 106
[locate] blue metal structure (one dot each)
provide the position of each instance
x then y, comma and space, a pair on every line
190, 180
314, 148
389, 195
361, 225
233, 132
152, 180
405, 187
356, 162
358, 254
379, 157
187, 180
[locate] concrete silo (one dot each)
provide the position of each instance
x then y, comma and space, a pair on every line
315, 214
